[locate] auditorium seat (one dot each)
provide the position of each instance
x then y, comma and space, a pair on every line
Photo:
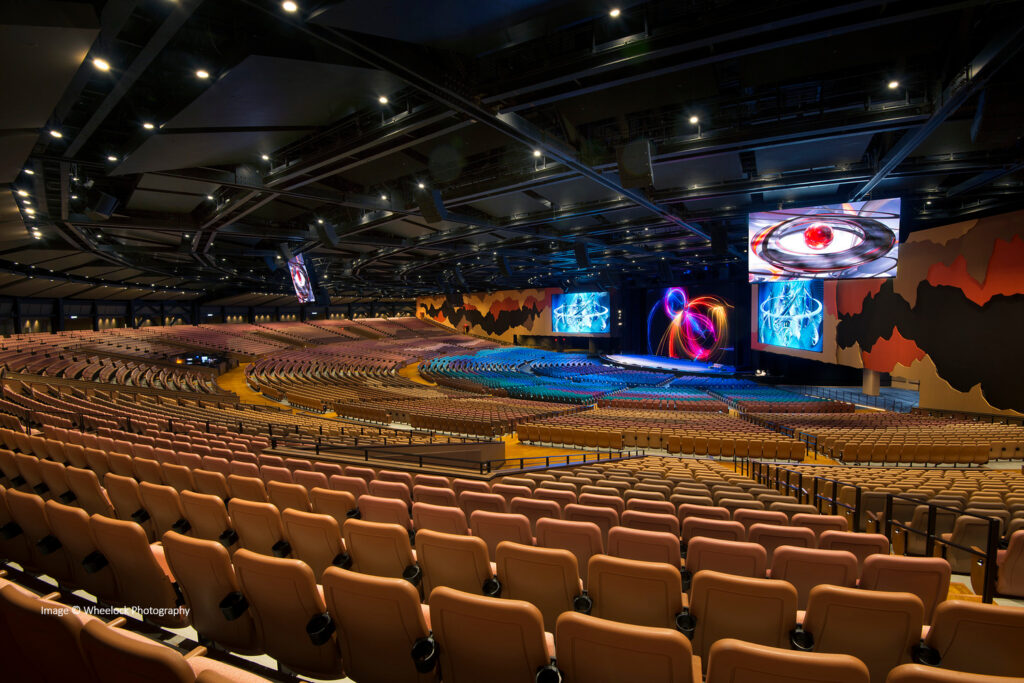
925, 577
284, 496
163, 503
861, 545
735, 661
443, 518
141, 575
354, 485
459, 562
978, 638
634, 592
289, 613
594, 500
338, 504
379, 549
820, 523
259, 527
178, 476
385, 511
919, 673
601, 651
548, 578
71, 527
314, 538
688, 510
378, 620
702, 527
968, 532
737, 558
211, 591
582, 539
772, 536
212, 483
651, 521
806, 568
487, 639
749, 518
509, 491
46, 552
433, 495
460, 485
124, 494
56, 481
878, 628
391, 489
89, 494
646, 546
534, 510
247, 488
208, 518
759, 611
309, 479
495, 527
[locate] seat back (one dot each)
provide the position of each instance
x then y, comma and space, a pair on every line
378, 620
920, 673
1010, 580
760, 611
285, 496
734, 661
443, 518
582, 539
315, 539
285, 605
749, 518
164, 507
605, 518
71, 526
978, 638
535, 510
820, 523
207, 580
772, 536
495, 527
925, 577
116, 654
378, 549
46, 551
738, 558
459, 562
259, 527
337, 504
878, 628
861, 545
385, 510
726, 530
650, 521
433, 495
592, 649
487, 639
634, 592
806, 568
547, 578
647, 546
208, 517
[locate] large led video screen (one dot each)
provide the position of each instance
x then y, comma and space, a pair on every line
581, 313
300, 279
791, 313
837, 241
683, 326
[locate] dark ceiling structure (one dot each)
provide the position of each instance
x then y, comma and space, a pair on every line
183, 148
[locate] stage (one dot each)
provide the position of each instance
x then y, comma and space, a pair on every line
681, 365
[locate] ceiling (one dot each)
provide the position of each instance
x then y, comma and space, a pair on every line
407, 147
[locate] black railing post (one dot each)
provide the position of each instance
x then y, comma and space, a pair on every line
888, 516
929, 540
989, 592
858, 512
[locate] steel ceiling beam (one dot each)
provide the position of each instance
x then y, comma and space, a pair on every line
970, 80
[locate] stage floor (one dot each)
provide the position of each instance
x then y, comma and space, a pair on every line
669, 364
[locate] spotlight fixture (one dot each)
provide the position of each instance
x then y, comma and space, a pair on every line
421, 186
893, 85
383, 99
614, 14
101, 64
265, 157
694, 120
30, 211
202, 74
30, 171
148, 126
536, 153
111, 158
209, 197
22, 193
56, 133
74, 196
289, 6
384, 197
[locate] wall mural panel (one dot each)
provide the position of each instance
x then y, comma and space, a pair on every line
500, 315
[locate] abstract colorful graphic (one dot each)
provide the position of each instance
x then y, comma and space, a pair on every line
300, 279
790, 314
853, 240
697, 328
581, 313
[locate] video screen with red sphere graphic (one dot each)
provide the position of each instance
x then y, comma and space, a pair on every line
838, 241
300, 279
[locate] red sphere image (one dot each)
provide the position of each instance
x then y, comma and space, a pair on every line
818, 235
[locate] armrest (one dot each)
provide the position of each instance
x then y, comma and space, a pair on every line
199, 651
978, 573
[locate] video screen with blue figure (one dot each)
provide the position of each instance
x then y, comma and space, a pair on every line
791, 314
581, 313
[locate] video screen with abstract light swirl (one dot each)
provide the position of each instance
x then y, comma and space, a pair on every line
839, 241
681, 326
791, 314
300, 279
581, 313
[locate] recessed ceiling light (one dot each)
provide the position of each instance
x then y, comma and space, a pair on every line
421, 186
265, 157
56, 133
111, 158
210, 197
148, 126
22, 193
30, 211
384, 197
382, 99
101, 64
320, 221
74, 196
30, 171
615, 13
893, 85
536, 152
203, 74
289, 6
694, 119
